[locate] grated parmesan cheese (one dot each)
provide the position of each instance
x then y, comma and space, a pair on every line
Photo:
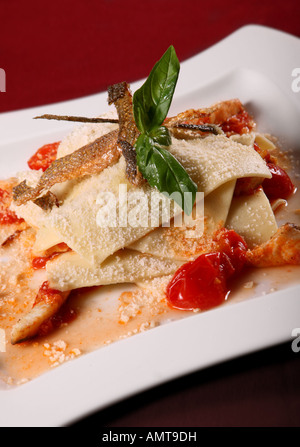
56, 352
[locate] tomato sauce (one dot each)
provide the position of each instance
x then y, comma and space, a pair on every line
46, 294
64, 315
203, 283
40, 262
7, 216
264, 153
43, 157
240, 124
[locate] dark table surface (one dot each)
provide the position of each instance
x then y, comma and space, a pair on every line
65, 49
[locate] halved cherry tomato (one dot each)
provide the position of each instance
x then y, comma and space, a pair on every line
202, 283
198, 284
280, 185
43, 157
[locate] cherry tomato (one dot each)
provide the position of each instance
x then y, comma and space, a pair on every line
234, 246
198, 284
280, 185
202, 284
43, 157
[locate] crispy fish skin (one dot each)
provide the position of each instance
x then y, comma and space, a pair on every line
132, 172
96, 156
47, 201
90, 159
120, 96
282, 249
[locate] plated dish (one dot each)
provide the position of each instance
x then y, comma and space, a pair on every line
217, 152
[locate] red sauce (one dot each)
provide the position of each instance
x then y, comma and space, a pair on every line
236, 124
5, 198
264, 153
203, 283
40, 262
64, 315
11, 238
280, 185
247, 186
43, 157
240, 123
7, 216
46, 294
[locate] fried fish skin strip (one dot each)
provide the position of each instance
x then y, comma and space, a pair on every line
211, 128
120, 96
282, 249
47, 303
78, 119
90, 159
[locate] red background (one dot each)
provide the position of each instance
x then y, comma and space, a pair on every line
59, 50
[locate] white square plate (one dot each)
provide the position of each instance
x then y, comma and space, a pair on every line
254, 64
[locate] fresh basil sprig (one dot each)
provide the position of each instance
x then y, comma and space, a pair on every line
151, 104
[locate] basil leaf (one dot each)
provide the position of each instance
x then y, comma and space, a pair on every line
161, 136
152, 101
163, 171
151, 104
